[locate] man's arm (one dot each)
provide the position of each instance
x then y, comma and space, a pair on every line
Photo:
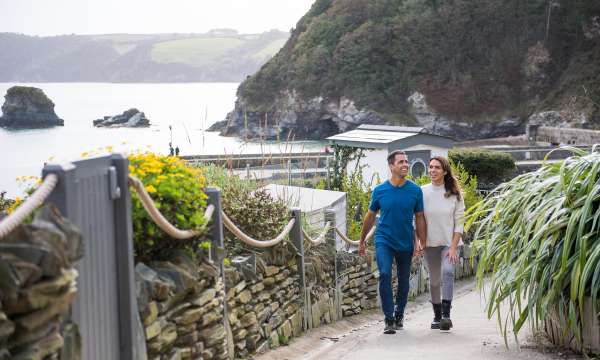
421, 228
366, 227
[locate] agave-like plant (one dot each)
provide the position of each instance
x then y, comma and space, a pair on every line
537, 236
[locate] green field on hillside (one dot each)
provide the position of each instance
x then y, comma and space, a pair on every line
195, 51
269, 50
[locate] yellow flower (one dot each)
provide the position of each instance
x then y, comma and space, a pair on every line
151, 189
84, 154
109, 149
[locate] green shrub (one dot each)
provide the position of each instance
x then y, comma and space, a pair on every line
358, 197
252, 210
5, 202
490, 167
538, 237
178, 192
256, 213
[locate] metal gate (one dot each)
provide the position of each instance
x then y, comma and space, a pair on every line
94, 195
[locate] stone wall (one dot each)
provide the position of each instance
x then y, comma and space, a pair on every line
37, 288
183, 305
181, 308
264, 307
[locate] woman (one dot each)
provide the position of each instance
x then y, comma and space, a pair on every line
444, 212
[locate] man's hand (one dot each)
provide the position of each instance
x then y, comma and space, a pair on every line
361, 248
366, 227
452, 255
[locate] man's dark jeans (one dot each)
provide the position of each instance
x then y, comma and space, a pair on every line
384, 256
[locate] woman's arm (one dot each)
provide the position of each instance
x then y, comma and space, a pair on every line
459, 221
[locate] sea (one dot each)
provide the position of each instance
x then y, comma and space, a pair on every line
178, 113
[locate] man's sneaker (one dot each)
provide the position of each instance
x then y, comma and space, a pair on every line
389, 326
437, 316
446, 323
399, 321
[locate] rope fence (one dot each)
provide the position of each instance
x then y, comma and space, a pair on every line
354, 242
319, 239
159, 219
16, 218
176, 233
9, 223
253, 242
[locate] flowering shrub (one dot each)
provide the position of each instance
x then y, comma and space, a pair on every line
5, 202
178, 192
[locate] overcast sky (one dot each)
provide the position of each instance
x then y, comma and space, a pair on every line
57, 17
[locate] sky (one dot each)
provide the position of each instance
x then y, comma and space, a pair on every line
59, 17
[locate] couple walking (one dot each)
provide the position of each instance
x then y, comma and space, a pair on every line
438, 210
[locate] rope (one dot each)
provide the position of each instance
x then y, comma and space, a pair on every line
159, 219
16, 218
253, 242
319, 239
354, 242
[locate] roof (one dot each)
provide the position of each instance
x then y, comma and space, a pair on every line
378, 136
370, 136
306, 199
408, 129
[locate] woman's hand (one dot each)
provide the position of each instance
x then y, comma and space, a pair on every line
452, 254
418, 251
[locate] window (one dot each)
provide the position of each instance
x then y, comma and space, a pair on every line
417, 169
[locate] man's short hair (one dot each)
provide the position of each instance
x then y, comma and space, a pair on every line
392, 156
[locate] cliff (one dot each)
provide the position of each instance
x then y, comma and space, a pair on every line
467, 69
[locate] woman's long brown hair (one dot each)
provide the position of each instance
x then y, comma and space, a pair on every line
450, 182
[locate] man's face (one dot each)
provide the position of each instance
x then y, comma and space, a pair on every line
400, 166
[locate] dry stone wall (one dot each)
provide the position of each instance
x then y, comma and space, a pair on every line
263, 307
37, 288
181, 308
189, 313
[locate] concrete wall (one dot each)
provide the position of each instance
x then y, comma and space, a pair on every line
567, 136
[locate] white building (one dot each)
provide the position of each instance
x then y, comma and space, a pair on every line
379, 140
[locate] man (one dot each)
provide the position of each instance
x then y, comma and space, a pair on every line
398, 200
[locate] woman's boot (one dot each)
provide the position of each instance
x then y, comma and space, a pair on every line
437, 316
446, 323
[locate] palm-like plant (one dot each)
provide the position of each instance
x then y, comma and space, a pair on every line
538, 236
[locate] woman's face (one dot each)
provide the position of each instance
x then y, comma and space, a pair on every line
436, 171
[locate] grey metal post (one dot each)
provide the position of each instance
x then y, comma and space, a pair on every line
298, 242
216, 227
217, 245
327, 180
331, 242
60, 197
289, 168
130, 349
247, 171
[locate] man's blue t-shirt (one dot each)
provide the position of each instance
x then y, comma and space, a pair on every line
397, 206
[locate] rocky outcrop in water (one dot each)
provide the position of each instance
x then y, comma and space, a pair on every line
130, 118
317, 118
28, 107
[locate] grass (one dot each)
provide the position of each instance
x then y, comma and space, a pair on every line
194, 51
268, 51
